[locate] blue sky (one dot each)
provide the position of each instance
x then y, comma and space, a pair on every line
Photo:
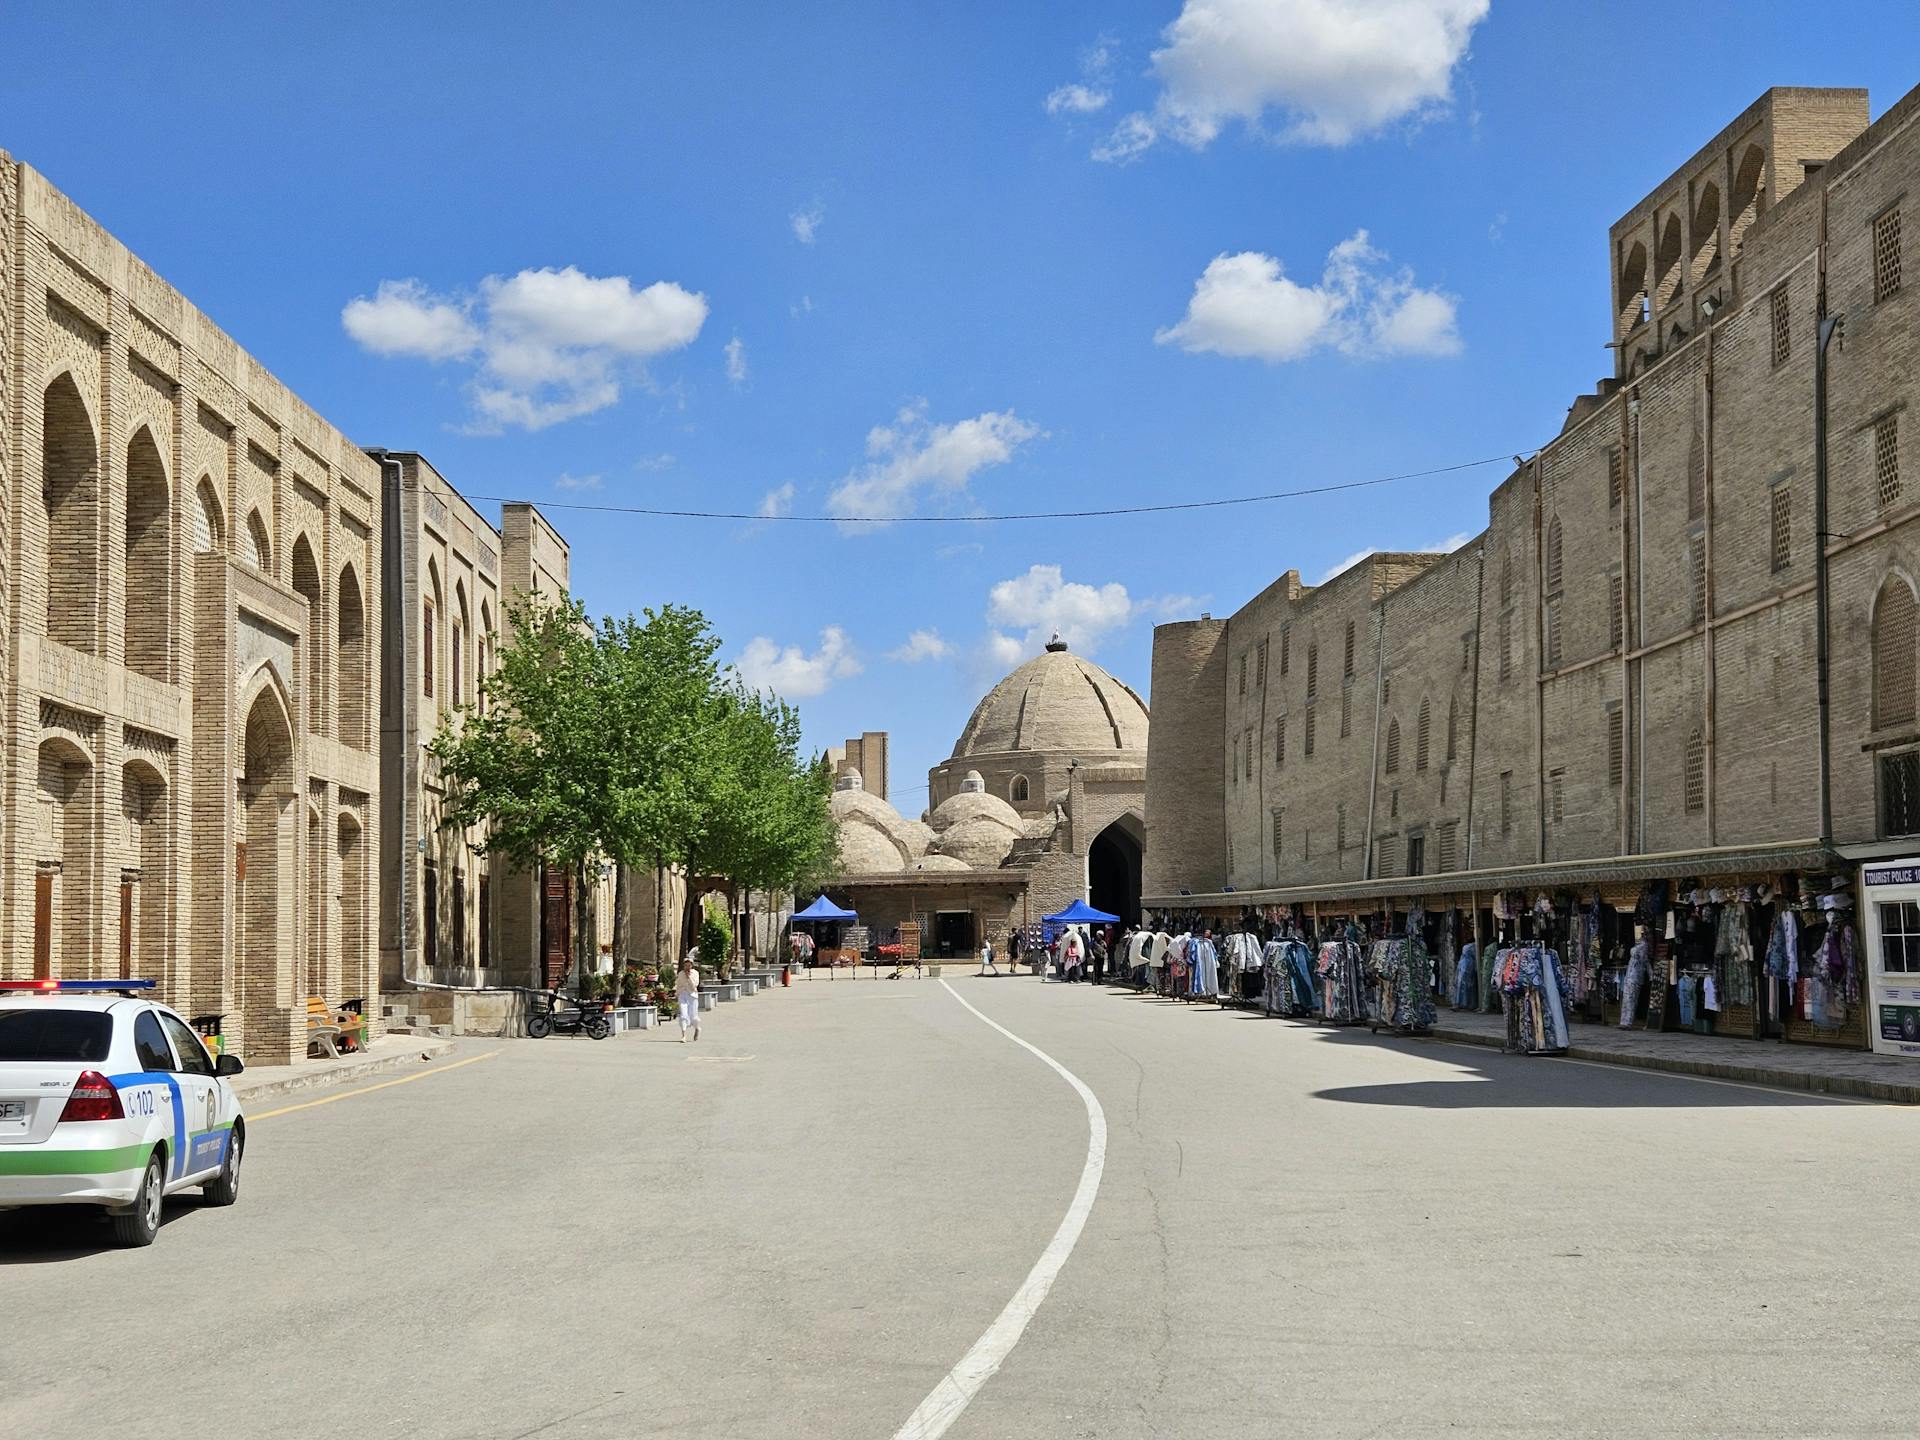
918, 259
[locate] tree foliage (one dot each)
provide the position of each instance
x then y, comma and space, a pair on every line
625, 740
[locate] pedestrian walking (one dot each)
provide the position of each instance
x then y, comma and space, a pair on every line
1072, 951
1099, 951
686, 988
987, 967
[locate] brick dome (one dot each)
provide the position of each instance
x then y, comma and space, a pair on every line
1056, 702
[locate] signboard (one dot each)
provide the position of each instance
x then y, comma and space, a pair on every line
857, 938
909, 941
1908, 874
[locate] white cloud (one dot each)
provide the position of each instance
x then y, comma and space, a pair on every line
661, 461
403, 318
1004, 652
801, 307
1043, 602
1244, 305
777, 502
806, 223
921, 645
736, 353
954, 552
1076, 100
545, 345
790, 672
578, 482
1330, 71
912, 455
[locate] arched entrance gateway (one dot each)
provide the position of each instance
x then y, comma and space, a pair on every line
266, 871
1113, 869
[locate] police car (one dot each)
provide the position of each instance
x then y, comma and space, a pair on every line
108, 1098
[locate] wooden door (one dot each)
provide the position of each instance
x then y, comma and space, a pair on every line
126, 929
43, 925
556, 923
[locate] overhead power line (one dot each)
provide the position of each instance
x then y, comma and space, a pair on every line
1113, 510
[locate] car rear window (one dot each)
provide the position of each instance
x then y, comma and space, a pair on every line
41, 1032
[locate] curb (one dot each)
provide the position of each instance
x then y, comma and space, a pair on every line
407, 1058
1887, 1091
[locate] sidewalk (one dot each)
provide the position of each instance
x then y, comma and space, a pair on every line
387, 1054
1758, 1062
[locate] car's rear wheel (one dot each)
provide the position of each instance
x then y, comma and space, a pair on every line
539, 1027
138, 1225
225, 1189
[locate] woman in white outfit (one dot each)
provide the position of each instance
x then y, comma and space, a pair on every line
687, 988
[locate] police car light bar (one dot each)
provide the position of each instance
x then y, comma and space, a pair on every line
94, 987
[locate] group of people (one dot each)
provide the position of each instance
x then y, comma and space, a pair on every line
1076, 954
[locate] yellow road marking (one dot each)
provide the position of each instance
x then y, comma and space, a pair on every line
369, 1089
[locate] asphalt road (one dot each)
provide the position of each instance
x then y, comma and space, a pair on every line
795, 1227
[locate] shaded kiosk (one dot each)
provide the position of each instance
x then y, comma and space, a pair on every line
824, 912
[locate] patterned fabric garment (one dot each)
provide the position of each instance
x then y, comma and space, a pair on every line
1465, 976
1839, 962
1733, 955
1342, 982
1486, 987
1783, 947
1688, 1003
1639, 970
1541, 993
1443, 966
1203, 968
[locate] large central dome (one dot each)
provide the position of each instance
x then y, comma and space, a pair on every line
1056, 702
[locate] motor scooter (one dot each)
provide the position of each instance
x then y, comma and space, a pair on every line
566, 1015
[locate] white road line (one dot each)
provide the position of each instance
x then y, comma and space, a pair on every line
959, 1385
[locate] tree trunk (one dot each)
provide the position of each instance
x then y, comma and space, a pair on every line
660, 956
622, 921
585, 947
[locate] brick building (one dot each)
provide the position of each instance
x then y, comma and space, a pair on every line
1041, 803
189, 643
1619, 678
449, 915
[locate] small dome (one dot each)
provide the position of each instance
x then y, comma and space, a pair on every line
939, 863
971, 805
972, 784
849, 779
976, 828
874, 839
1056, 702
865, 850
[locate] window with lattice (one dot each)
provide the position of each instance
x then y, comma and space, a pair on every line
1466, 652
1286, 647
1506, 802
1340, 830
1251, 752
1393, 803
1280, 741
1449, 846
1313, 670
1696, 472
1308, 745
1236, 761
1886, 459
1506, 579
1782, 328
1346, 664
1279, 832
1886, 255
1780, 528
1616, 476
1900, 793
1453, 728
1893, 655
1416, 854
1393, 747
1616, 612
1243, 672
1422, 734
1695, 777
1557, 795
1616, 745
1556, 570
1697, 568
1553, 632
1260, 666
1346, 711
1506, 647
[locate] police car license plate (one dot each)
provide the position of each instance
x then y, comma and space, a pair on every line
13, 1109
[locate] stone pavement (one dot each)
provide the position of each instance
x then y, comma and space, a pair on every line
386, 1054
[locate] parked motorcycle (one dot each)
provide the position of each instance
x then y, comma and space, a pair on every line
564, 1015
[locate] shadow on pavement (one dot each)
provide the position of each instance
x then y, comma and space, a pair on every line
47, 1234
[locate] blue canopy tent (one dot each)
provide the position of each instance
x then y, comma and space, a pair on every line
1081, 913
825, 909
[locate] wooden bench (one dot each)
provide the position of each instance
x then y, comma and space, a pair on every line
326, 1027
